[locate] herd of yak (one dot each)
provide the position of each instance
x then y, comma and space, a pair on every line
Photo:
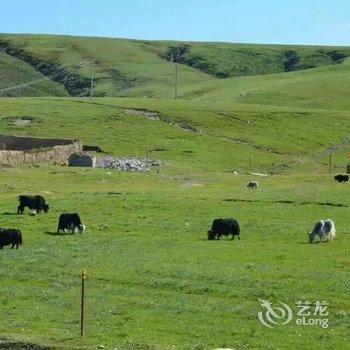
325, 229
37, 203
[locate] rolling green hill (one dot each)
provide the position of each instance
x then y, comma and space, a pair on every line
138, 68
224, 60
324, 87
14, 71
122, 67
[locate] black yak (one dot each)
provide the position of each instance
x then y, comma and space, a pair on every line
224, 227
341, 178
10, 236
70, 222
36, 203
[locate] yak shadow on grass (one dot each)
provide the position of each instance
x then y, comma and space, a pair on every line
15, 214
224, 239
54, 233
316, 242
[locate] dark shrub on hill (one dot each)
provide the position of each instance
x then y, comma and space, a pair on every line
176, 53
335, 55
291, 60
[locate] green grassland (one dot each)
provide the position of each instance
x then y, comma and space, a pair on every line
154, 280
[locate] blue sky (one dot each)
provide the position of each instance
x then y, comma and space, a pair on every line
250, 21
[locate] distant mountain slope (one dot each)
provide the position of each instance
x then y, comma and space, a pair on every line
225, 60
121, 68
320, 88
15, 72
142, 69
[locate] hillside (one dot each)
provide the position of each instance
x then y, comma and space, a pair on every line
225, 60
14, 71
137, 68
319, 88
122, 67
259, 117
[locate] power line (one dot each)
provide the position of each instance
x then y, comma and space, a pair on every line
46, 78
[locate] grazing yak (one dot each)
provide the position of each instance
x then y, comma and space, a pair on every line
341, 178
253, 185
70, 222
224, 227
36, 203
323, 229
10, 236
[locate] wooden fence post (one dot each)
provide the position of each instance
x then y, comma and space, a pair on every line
82, 310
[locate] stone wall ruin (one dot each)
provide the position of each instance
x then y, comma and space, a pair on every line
32, 151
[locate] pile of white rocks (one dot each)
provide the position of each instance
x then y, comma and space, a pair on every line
134, 164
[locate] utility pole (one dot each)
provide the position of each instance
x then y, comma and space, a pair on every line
91, 78
176, 80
